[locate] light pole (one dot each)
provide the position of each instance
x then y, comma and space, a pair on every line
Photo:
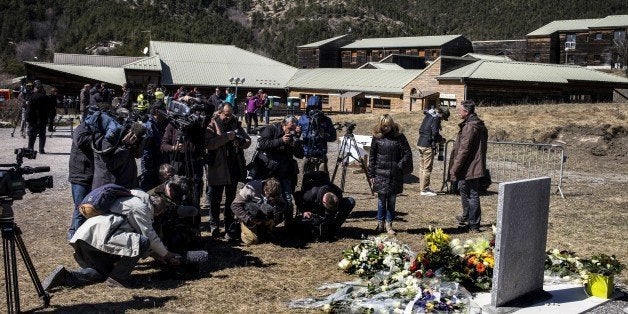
236, 81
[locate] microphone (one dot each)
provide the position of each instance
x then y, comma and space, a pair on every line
195, 257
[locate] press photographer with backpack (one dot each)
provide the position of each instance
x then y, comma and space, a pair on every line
118, 232
317, 130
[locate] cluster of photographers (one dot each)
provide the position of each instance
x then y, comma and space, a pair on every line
190, 145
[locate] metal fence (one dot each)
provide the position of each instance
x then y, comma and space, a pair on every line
509, 161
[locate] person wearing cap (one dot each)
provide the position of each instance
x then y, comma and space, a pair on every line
468, 164
429, 137
152, 157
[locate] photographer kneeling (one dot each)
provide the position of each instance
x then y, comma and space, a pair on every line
259, 207
108, 245
322, 206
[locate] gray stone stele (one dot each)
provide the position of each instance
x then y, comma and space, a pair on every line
520, 244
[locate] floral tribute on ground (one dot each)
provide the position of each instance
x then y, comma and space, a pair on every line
393, 278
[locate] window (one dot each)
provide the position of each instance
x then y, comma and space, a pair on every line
598, 36
354, 56
597, 58
537, 57
381, 103
619, 34
570, 38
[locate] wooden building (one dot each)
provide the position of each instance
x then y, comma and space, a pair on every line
322, 54
430, 48
586, 42
490, 82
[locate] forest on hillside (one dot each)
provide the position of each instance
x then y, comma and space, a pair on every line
35, 29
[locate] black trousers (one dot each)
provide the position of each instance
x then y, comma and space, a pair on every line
35, 131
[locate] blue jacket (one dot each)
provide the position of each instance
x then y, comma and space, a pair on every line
316, 134
151, 154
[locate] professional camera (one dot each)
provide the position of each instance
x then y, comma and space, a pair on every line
239, 137
350, 126
260, 212
187, 116
13, 186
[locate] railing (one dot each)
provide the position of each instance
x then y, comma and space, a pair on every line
508, 161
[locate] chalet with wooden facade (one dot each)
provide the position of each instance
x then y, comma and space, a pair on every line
586, 42
322, 54
430, 48
492, 82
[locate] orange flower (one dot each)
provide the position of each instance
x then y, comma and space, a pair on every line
471, 261
480, 267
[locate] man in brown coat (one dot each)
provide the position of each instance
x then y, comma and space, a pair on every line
469, 164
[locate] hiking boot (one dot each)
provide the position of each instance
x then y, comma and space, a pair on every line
389, 229
462, 222
57, 278
380, 227
428, 192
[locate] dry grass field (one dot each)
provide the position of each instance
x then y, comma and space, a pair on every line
592, 218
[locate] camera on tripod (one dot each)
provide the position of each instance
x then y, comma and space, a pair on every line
13, 186
350, 126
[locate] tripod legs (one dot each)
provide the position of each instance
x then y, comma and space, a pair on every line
11, 235
344, 154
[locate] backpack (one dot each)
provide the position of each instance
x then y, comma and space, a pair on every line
103, 123
100, 199
314, 178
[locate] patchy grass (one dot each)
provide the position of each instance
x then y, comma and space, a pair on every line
263, 278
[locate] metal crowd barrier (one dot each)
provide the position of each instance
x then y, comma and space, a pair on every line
63, 126
508, 161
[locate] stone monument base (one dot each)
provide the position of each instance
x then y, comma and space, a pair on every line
524, 301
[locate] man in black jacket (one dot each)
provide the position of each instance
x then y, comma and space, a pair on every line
37, 118
277, 145
81, 172
429, 137
321, 203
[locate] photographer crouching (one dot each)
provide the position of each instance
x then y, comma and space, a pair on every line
322, 206
317, 130
108, 245
259, 207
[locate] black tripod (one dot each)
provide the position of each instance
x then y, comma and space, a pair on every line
12, 236
344, 157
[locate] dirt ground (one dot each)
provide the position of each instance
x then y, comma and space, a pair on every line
592, 218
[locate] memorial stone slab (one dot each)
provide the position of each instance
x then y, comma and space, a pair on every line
520, 244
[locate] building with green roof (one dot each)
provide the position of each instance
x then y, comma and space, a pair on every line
586, 42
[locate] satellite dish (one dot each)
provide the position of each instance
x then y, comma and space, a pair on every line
145, 51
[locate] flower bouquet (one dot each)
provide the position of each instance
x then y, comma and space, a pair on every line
563, 266
601, 270
376, 254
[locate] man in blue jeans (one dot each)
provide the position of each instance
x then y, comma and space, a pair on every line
468, 164
81, 170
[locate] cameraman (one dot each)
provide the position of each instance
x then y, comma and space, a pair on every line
319, 198
318, 129
115, 162
107, 247
277, 145
225, 142
429, 138
151, 154
184, 145
258, 207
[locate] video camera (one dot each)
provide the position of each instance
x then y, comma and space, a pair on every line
350, 126
188, 116
13, 186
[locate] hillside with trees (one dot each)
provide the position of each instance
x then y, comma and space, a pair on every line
35, 29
